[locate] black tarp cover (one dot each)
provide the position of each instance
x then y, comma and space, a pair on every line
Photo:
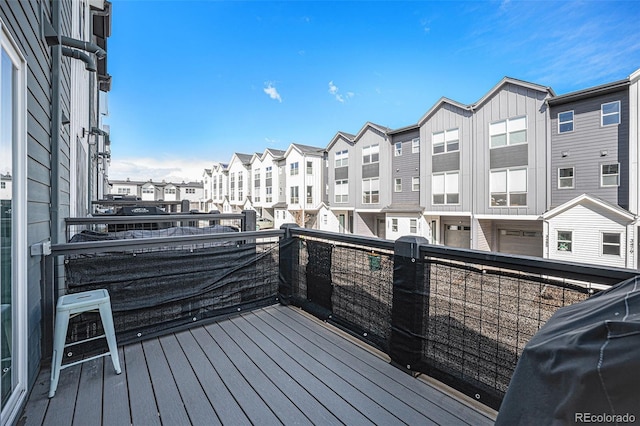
583, 365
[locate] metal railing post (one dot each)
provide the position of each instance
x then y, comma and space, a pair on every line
410, 302
288, 257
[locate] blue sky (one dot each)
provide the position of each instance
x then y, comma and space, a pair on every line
196, 81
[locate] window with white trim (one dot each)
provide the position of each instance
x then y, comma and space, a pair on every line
565, 241
565, 122
415, 183
371, 191
610, 174
341, 191
413, 226
269, 194
309, 167
268, 172
508, 187
397, 185
293, 169
446, 141
610, 113
341, 158
565, 177
445, 188
611, 243
512, 131
148, 190
397, 150
415, 146
370, 154
295, 195
394, 225
309, 194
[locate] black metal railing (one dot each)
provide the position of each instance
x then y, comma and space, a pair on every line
461, 316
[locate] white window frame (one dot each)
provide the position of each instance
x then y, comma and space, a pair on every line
371, 154
394, 225
415, 146
568, 242
294, 199
413, 226
446, 177
561, 122
341, 158
341, 191
445, 139
602, 175
603, 244
509, 184
561, 178
397, 149
19, 250
397, 185
370, 192
604, 115
415, 183
294, 169
309, 167
508, 127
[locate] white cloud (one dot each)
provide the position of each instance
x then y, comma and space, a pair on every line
272, 92
333, 90
174, 170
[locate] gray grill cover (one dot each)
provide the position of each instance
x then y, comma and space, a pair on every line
584, 362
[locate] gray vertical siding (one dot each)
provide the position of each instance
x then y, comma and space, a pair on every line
371, 136
583, 147
447, 117
511, 101
405, 167
340, 173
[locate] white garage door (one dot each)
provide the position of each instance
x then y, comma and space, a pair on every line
518, 241
457, 236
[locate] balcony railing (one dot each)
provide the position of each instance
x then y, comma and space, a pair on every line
460, 316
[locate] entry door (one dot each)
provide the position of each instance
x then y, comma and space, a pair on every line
341, 221
381, 228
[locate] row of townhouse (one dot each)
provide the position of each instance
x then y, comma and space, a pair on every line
521, 171
159, 191
54, 159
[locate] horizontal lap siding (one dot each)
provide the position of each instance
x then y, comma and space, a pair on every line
583, 147
22, 21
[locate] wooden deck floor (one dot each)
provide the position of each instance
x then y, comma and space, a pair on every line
271, 366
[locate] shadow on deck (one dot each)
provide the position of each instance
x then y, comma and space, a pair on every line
275, 365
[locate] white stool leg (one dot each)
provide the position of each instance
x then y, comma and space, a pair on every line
59, 339
110, 333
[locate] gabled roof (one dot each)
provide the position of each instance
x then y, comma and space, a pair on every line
442, 101
304, 149
352, 139
347, 137
244, 159
509, 80
589, 199
404, 129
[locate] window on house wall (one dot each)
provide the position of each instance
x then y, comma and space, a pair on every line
445, 188
256, 178
3, 185
370, 154
342, 191
413, 226
325, 218
232, 186
565, 122
147, 190
415, 183
240, 186
508, 187
295, 195
394, 225
293, 169
309, 167
415, 146
309, 194
169, 190
397, 187
565, 241
342, 158
397, 151
269, 194
610, 113
611, 243
565, 177
371, 191
268, 172
447, 141
609, 174
512, 131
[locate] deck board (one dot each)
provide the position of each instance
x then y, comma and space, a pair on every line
271, 366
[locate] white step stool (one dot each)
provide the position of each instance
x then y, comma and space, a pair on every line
73, 304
